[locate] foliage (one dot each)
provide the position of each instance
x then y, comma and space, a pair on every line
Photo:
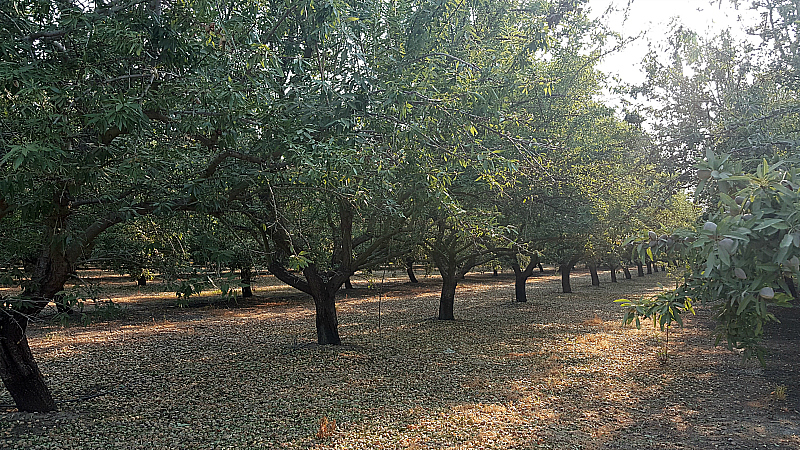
746, 251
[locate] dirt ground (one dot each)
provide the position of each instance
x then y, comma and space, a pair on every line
557, 372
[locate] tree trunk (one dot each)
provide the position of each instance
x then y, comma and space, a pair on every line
655, 268
613, 271
640, 269
141, 281
348, 284
494, 272
324, 295
327, 323
18, 369
521, 276
448, 297
410, 271
565, 270
627, 272
593, 273
247, 278
541, 267
519, 288
649, 267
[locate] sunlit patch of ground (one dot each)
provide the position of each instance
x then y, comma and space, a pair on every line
556, 372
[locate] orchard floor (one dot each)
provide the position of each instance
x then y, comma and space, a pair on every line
557, 372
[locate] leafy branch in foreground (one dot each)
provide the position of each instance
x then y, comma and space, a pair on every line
743, 258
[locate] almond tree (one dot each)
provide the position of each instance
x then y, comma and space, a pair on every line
119, 110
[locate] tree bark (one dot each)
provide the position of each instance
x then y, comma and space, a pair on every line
521, 277
655, 268
520, 294
410, 271
565, 271
627, 272
639, 269
593, 273
141, 281
649, 267
348, 284
613, 271
18, 369
324, 295
447, 299
247, 278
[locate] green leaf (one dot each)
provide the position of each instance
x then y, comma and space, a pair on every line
787, 240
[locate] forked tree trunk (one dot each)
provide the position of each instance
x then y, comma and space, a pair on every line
521, 277
593, 273
627, 272
324, 295
639, 269
247, 278
448, 297
565, 271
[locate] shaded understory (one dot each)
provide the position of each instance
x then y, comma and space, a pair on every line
556, 372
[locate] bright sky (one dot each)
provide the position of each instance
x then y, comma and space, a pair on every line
653, 17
